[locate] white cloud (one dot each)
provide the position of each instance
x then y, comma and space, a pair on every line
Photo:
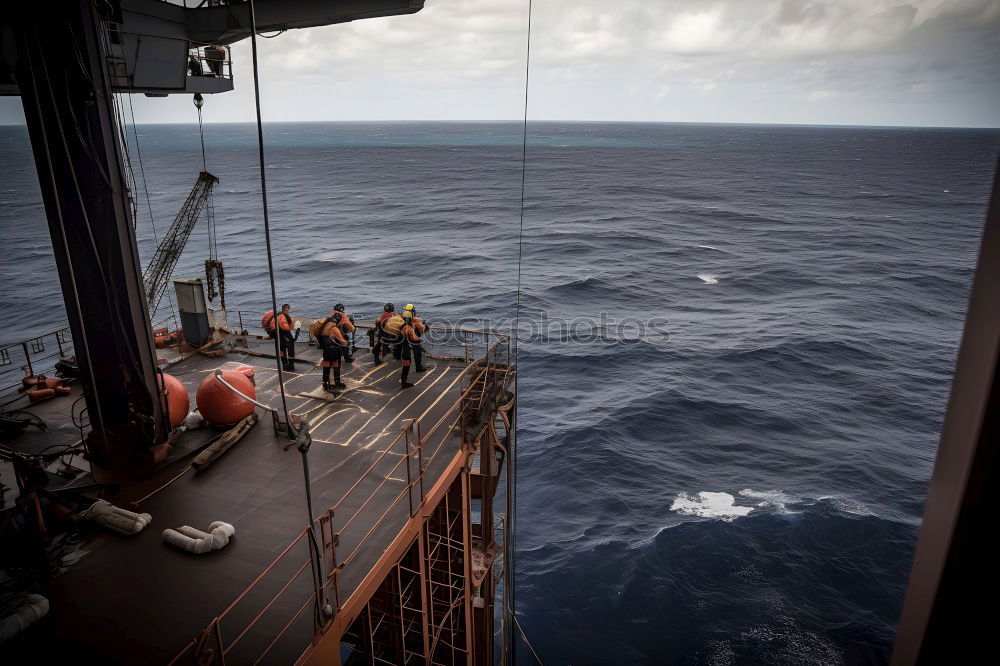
760, 60
821, 95
696, 33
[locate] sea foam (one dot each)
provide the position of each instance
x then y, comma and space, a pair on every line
709, 505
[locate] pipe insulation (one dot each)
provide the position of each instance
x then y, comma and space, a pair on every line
117, 519
33, 609
198, 542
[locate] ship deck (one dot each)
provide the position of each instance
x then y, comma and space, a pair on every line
135, 599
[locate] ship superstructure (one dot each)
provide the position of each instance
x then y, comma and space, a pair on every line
363, 525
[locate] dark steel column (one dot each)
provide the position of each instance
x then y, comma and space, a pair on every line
62, 74
948, 617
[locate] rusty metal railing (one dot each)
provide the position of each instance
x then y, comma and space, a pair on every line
37, 354
419, 444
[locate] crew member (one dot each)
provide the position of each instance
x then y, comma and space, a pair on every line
409, 347
419, 328
378, 336
347, 328
335, 345
287, 330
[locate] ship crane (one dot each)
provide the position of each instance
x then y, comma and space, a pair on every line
168, 252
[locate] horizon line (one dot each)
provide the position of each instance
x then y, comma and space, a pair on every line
565, 121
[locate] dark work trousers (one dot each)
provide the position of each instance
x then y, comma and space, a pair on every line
286, 343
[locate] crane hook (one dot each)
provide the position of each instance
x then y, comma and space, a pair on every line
198, 100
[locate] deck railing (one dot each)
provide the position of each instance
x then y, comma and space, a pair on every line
39, 355
35, 355
342, 528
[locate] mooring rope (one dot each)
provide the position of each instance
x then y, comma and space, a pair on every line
509, 538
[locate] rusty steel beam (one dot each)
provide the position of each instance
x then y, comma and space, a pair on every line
326, 648
467, 561
424, 591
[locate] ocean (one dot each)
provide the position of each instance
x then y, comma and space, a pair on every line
736, 351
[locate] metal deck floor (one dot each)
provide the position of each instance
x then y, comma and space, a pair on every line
137, 600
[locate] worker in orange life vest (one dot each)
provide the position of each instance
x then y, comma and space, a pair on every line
419, 328
409, 345
334, 342
379, 339
287, 332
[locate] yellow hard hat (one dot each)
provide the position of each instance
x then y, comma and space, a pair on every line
407, 314
409, 306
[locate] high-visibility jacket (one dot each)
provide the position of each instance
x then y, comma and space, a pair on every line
285, 321
393, 325
410, 333
334, 331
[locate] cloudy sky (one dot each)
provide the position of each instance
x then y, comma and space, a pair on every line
871, 62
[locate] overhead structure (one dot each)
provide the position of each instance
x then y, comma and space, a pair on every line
169, 250
162, 48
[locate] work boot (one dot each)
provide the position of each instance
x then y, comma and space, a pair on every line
403, 384
421, 368
328, 387
340, 386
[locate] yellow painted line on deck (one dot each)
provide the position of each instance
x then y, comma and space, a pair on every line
403, 410
373, 416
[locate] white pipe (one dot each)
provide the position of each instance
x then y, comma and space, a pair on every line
218, 375
33, 609
117, 519
195, 541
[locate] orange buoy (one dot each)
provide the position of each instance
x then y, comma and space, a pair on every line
166, 339
219, 405
50, 382
178, 399
248, 371
40, 394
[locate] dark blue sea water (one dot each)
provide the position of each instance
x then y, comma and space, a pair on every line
741, 485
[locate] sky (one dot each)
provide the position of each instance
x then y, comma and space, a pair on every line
840, 62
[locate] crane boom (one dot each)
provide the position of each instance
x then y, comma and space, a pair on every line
169, 250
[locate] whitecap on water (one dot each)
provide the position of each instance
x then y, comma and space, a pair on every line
848, 505
709, 505
772, 499
708, 278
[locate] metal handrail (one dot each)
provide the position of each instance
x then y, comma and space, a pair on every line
484, 378
33, 354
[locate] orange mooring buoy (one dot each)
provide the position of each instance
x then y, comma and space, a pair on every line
248, 371
178, 399
40, 394
219, 405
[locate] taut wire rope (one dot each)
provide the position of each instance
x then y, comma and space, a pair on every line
320, 604
511, 490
